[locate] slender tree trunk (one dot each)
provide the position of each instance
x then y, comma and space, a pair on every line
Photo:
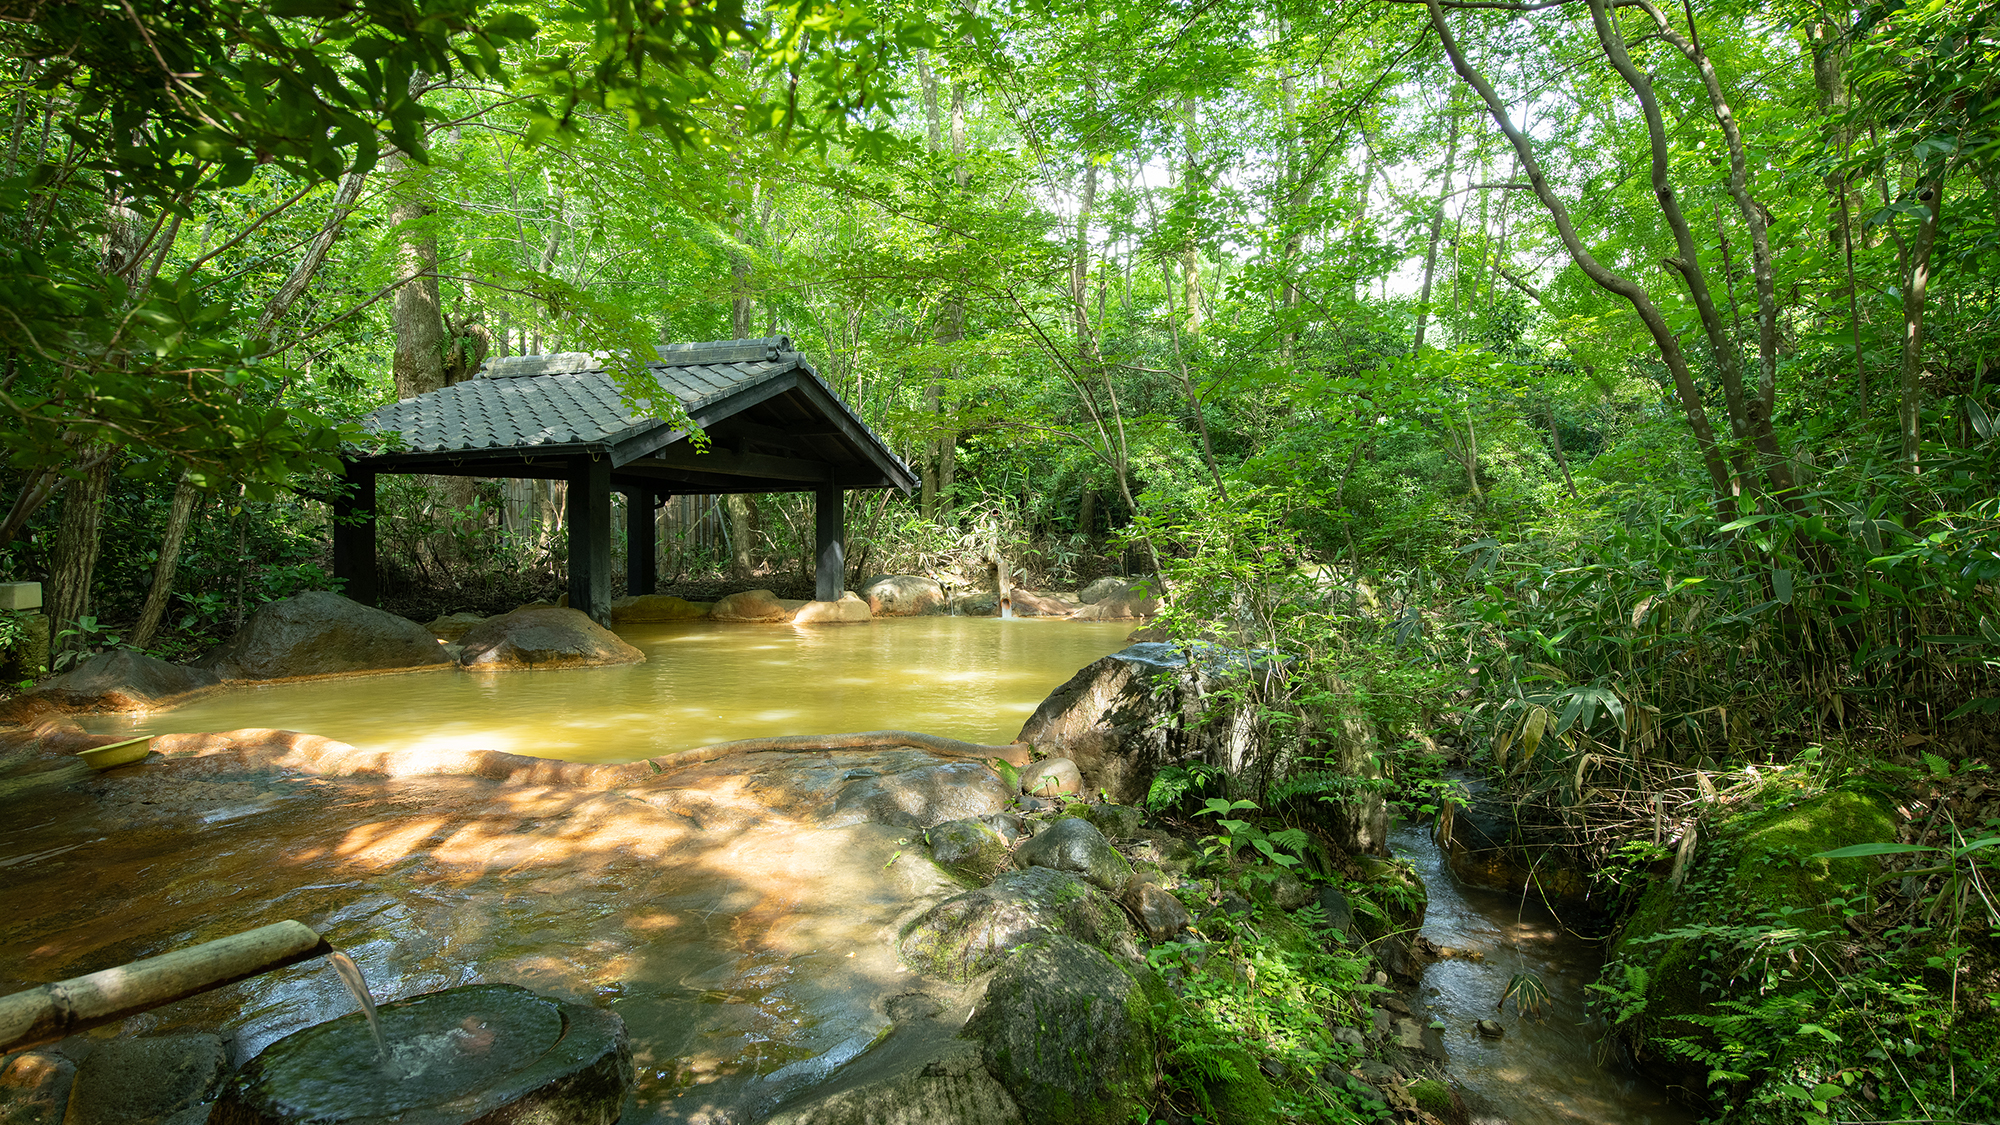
1664, 339
1916, 281
73, 561
179, 514
295, 284
1437, 222
1556, 443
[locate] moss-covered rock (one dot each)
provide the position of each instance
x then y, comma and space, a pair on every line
1244, 1096
1754, 870
1070, 1033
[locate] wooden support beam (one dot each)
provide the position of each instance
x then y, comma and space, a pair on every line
588, 523
830, 532
722, 462
354, 534
642, 541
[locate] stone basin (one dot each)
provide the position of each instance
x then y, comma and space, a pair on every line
479, 1053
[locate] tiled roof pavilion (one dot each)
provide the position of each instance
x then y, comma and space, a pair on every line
772, 426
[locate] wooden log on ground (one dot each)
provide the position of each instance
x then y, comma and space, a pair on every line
53, 1011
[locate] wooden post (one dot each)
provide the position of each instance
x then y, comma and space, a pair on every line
354, 533
642, 542
830, 532
588, 522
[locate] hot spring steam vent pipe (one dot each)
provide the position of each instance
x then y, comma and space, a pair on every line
46, 1014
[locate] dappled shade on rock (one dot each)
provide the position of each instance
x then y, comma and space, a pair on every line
544, 637
323, 634
967, 934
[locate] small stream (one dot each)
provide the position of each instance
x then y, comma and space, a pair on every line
1545, 1070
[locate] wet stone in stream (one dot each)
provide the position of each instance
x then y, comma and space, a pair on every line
482, 1053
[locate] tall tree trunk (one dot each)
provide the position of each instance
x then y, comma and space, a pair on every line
1193, 181
418, 364
179, 514
73, 562
954, 309
1437, 221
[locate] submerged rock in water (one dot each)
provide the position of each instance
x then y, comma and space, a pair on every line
323, 634
34, 1087
544, 637
945, 1082
479, 1055
654, 609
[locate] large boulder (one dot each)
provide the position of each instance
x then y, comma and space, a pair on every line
968, 934
655, 609
1028, 603
1129, 715
119, 680
920, 797
1101, 588
941, 1081
544, 637
761, 606
1134, 599
1071, 1032
849, 610
903, 595
323, 634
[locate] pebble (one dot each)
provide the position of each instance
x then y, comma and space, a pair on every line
1491, 1029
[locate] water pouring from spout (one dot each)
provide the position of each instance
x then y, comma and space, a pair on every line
350, 975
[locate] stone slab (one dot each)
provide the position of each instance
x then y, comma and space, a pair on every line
19, 596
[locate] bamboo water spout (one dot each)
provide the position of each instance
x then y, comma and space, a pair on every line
53, 1011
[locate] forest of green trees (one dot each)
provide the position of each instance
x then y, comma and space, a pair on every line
1628, 365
